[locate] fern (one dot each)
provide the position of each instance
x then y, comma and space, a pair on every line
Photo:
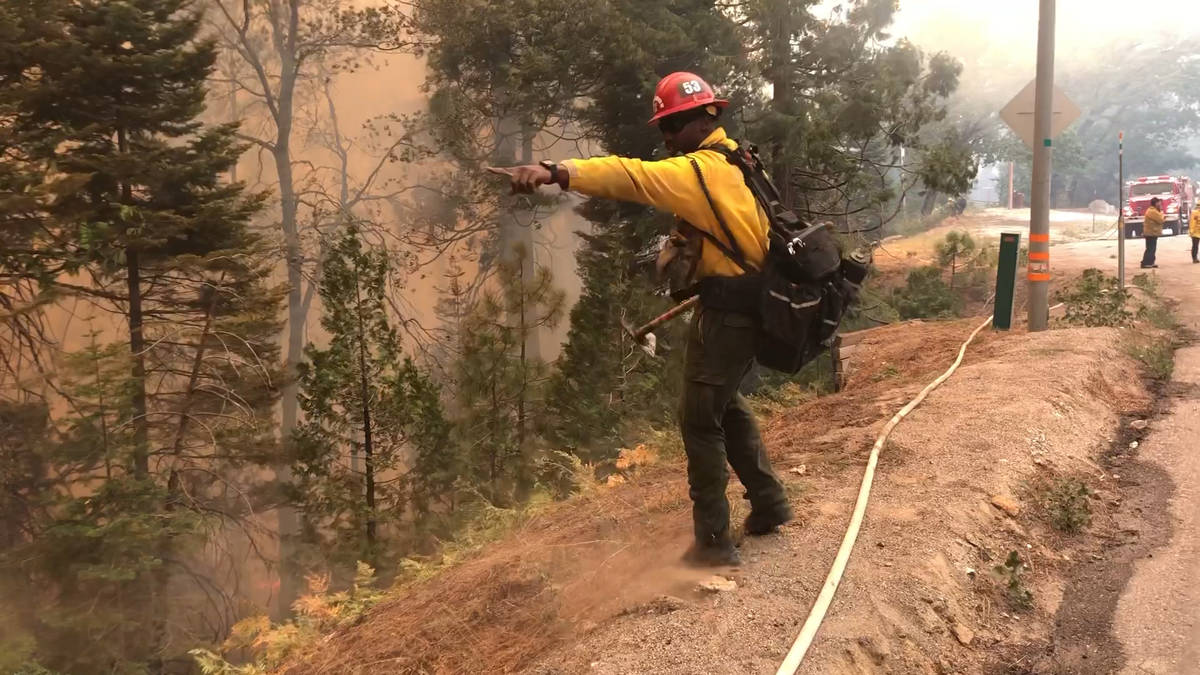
317, 613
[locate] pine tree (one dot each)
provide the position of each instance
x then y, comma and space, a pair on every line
845, 98
818, 111
500, 388
500, 75
602, 382
955, 252
277, 48
172, 449
374, 434
27, 185
451, 310
23, 429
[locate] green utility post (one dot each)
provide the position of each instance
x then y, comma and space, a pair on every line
1006, 280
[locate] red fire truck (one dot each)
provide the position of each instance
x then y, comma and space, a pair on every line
1178, 195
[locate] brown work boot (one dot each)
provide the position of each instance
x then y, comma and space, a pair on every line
723, 554
766, 521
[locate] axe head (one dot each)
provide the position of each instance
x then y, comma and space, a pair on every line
647, 342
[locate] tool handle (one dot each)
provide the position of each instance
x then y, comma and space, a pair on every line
640, 334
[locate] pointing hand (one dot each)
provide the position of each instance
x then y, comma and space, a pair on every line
524, 179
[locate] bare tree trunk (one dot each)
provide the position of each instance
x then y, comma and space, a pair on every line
137, 340
780, 75
525, 240
284, 36
137, 349
235, 115
524, 481
289, 401
494, 423
103, 414
189, 396
517, 247
368, 448
162, 576
931, 197
155, 583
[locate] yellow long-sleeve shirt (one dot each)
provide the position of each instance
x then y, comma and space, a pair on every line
1153, 226
1194, 223
671, 185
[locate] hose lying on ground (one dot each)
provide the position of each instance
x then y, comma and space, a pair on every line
809, 630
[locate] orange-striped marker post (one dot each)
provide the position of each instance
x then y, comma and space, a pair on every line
1039, 213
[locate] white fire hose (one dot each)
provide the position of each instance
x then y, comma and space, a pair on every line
809, 630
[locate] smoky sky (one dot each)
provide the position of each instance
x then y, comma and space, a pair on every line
1086, 29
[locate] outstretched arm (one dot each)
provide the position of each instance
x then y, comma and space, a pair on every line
666, 184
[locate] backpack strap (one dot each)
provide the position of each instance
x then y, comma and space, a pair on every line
782, 220
732, 251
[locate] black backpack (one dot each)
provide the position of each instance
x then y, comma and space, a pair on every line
805, 285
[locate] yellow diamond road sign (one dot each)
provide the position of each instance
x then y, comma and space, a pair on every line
1018, 114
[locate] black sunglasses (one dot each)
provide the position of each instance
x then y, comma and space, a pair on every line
675, 123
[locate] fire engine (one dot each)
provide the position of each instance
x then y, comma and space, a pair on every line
1178, 195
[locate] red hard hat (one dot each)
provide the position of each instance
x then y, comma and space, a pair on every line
678, 92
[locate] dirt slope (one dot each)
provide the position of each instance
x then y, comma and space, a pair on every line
908, 602
578, 588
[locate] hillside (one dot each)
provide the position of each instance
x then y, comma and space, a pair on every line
316, 350
578, 587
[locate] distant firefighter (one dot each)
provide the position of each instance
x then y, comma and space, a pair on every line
1151, 231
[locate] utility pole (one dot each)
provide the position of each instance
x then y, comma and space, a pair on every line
1121, 209
1039, 214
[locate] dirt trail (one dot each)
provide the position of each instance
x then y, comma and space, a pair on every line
1157, 619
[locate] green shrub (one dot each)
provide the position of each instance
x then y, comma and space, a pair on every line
1146, 282
1158, 315
1067, 503
925, 295
872, 309
1152, 308
1012, 574
1156, 353
955, 252
1095, 299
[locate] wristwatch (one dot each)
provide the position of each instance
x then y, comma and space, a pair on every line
550, 166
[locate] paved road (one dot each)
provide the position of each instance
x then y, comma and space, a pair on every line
1158, 616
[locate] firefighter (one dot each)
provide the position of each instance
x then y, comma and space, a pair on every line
717, 424
1194, 231
1151, 231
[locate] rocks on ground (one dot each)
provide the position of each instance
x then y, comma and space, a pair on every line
717, 584
1007, 504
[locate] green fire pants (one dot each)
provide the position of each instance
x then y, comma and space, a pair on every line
718, 426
